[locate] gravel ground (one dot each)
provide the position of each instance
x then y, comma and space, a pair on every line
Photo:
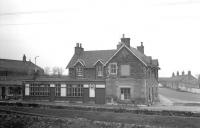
94, 119
21, 121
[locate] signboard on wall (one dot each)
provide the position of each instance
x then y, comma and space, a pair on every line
27, 90
92, 90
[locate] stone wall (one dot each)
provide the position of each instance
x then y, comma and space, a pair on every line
137, 89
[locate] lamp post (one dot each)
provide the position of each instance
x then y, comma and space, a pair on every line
35, 59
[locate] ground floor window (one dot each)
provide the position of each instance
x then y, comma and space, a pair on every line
58, 90
14, 90
125, 93
44, 90
75, 90
39, 90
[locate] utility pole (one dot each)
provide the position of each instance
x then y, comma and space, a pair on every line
35, 59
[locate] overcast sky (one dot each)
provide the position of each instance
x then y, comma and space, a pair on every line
170, 29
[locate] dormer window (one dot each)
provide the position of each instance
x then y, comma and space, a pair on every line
79, 71
99, 70
79, 65
113, 68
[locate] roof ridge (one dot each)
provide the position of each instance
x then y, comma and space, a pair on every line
12, 60
18, 64
101, 50
92, 56
20, 61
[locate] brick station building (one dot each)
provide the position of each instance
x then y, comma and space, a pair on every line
124, 74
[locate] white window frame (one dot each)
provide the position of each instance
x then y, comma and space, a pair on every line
79, 71
57, 89
39, 89
110, 68
99, 72
74, 90
123, 96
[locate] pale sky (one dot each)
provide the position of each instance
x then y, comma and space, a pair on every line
50, 29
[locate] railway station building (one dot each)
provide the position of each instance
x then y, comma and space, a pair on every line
121, 75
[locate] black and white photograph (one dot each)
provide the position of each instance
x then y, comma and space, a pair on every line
99, 64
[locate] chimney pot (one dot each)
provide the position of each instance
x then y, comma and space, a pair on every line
173, 74
77, 44
177, 73
126, 41
78, 49
24, 58
183, 73
189, 72
141, 48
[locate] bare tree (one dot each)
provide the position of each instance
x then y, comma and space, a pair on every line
60, 71
57, 71
47, 71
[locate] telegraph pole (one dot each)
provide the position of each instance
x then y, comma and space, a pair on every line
36, 58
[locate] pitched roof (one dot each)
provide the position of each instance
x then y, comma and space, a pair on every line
155, 62
144, 58
64, 79
15, 82
16, 78
185, 79
189, 79
17, 65
91, 57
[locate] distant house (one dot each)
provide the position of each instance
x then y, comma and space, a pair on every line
180, 81
12, 74
164, 81
124, 74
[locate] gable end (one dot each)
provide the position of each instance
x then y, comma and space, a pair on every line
128, 50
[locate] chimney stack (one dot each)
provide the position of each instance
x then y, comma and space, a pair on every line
119, 45
78, 49
177, 73
141, 48
189, 73
125, 41
173, 74
24, 58
183, 73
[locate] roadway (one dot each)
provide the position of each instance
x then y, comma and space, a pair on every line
175, 96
